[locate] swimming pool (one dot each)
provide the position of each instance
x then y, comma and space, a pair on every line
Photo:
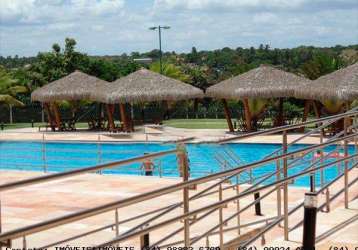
62, 156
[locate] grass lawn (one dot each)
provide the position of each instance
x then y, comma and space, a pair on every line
197, 123
36, 125
176, 123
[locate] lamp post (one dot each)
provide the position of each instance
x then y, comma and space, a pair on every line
160, 43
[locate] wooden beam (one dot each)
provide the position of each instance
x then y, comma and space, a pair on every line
109, 109
57, 115
122, 110
227, 115
280, 118
316, 110
49, 115
247, 115
306, 110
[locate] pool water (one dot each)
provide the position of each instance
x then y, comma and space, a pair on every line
61, 156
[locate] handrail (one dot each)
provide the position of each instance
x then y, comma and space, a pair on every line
185, 184
270, 226
218, 204
79, 171
146, 196
288, 127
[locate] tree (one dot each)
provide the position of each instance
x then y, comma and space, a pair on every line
9, 88
170, 70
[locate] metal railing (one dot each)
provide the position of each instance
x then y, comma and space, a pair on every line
139, 230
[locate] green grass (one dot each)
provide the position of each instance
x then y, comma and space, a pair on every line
176, 123
36, 125
197, 123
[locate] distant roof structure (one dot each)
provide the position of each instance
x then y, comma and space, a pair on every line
262, 82
145, 86
75, 86
340, 85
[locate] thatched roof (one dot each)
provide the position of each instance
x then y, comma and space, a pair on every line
144, 86
75, 86
262, 82
340, 85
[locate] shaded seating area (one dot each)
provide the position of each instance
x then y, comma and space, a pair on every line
331, 94
264, 82
140, 87
74, 87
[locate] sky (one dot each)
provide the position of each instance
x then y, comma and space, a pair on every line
113, 27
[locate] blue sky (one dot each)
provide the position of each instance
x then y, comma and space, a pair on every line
109, 27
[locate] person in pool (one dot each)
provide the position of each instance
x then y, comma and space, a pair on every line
148, 166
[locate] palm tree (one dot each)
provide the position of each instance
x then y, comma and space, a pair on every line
170, 70
9, 88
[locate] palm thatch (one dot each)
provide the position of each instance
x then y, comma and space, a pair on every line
9, 100
75, 86
145, 86
262, 82
341, 85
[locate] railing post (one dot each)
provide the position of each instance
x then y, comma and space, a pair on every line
116, 220
221, 228
24, 243
144, 241
285, 186
257, 204
346, 197
309, 221
238, 205
99, 151
322, 155
328, 201
278, 177
44, 152
184, 169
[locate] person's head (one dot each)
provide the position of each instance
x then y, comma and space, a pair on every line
319, 151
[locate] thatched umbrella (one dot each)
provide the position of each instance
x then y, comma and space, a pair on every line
262, 82
145, 86
75, 86
341, 85
333, 90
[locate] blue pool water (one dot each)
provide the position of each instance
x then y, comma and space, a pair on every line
58, 157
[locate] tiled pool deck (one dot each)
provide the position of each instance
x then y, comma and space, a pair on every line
33, 204
149, 134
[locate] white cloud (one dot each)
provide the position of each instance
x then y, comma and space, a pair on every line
117, 26
228, 4
37, 11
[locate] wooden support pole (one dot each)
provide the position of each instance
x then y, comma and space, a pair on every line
227, 115
316, 109
49, 115
305, 113
122, 110
280, 119
247, 114
57, 115
109, 109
